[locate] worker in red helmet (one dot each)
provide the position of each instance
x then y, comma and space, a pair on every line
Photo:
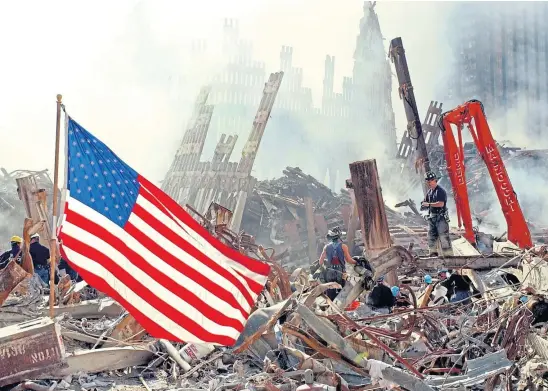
438, 218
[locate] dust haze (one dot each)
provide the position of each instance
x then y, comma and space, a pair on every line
128, 73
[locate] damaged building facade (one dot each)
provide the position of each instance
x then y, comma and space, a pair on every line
236, 93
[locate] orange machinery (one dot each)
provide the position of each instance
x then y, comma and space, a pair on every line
472, 115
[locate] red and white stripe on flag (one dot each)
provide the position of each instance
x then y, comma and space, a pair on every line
178, 281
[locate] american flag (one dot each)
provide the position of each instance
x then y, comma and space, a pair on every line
130, 240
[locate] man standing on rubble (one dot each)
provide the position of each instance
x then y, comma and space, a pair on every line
14, 253
334, 257
438, 219
40, 257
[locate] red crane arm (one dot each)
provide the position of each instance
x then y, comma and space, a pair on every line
471, 114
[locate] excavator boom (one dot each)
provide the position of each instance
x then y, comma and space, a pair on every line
471, 115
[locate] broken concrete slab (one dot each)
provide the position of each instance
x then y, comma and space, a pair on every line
30, 348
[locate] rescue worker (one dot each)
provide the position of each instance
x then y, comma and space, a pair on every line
40, 257
438, 219
334, 257
459, 288
380, 298
14, 253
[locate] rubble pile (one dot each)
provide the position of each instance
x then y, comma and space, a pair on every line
276, 214
296, 338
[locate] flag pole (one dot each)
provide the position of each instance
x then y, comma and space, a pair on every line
53, 241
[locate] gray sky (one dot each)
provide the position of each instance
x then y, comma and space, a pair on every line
120, 65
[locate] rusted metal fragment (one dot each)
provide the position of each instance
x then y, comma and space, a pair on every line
372, 215
128, 330
26, 259
368, 193
29, 349
10, 277
218, 215
514, 337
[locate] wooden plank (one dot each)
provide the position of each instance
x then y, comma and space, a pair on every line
128, 330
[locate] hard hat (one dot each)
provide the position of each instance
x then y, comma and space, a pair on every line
380, 279
443, 271
334, 233
16, 239
429, 176
36, 235
395, 290
428, 279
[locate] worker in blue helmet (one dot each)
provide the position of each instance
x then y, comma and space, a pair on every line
381, 299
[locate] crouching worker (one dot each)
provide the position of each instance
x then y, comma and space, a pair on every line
380, 298
459, 288
333, 260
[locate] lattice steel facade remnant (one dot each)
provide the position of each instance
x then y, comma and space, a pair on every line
197, 183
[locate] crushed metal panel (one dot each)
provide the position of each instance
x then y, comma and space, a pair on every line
478, 370
29, 349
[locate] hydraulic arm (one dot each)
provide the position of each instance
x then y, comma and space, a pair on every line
471, 115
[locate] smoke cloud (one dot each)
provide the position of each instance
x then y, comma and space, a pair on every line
128, 74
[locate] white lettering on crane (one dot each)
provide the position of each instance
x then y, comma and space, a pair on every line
501, 175
459, 171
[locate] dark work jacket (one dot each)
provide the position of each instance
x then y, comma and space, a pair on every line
381, 296
457, 283
5, 257
39, 254
434, 195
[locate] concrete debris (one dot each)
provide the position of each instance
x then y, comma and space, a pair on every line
296, 338
277, 215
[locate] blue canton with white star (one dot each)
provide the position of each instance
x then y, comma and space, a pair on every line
98, 178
